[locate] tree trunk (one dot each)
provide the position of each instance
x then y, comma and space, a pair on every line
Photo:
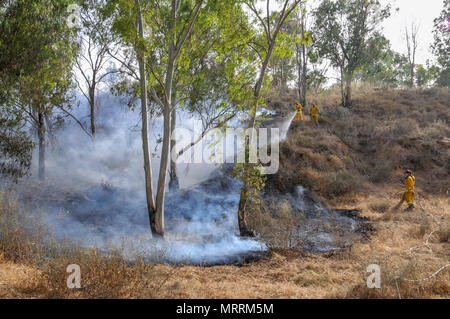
161, 191
304, 75
41, 137
242, 219
244, 230
348, 90
145, 142
173, 182
343, 96
301, 65
92, 109
301, 73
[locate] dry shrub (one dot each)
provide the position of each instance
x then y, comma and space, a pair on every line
444, 233
380, 206
319, 161
400, 282
105, 274
381, 171
309, 178
23, 237
275, 225
335, 161
423, 229
311, 278
341, 183
102, 276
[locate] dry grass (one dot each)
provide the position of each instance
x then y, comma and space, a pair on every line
408, 248
286, 274
353, 160
370, 143
26, 244
276, 224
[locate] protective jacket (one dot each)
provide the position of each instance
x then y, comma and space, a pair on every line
410, 182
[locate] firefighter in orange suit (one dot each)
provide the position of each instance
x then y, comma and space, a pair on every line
408, 195
299, 114
314, 112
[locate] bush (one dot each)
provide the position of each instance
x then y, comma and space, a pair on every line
341, 183
381, 171
444, 233
276, 225
380, 206
23, 237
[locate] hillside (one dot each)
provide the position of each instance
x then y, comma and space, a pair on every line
370, 144
354, 160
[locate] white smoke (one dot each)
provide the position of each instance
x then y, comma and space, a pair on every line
106, 201
99, 195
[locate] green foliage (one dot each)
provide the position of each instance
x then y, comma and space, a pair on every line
252, 175
382, 65
315, 80
15, 147
38, 51
282, 64
33, 35
441, 45
344, 31
213, 64
423, 75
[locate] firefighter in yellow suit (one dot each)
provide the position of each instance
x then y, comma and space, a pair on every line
299, 114
314, 112
408, 195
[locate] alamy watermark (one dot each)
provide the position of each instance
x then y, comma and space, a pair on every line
227, 146
74, 279
374, 279
74, 18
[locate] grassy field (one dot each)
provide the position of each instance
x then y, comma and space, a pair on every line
354, 159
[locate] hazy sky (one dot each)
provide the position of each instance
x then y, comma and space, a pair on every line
422, 12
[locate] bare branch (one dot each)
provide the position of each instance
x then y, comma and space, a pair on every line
76, 120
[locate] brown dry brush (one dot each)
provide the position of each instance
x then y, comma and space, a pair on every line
401, 281
369, 144
352, 151
276, 224
24, 239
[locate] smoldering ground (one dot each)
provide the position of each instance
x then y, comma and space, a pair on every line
94, 194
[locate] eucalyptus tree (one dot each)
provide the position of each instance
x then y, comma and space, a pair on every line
94, 63
302, 51
15, 143
166, 37
381, 63
216, 66
283, 64
38, 54
342, 30
441, 45
412, 42
264, 44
